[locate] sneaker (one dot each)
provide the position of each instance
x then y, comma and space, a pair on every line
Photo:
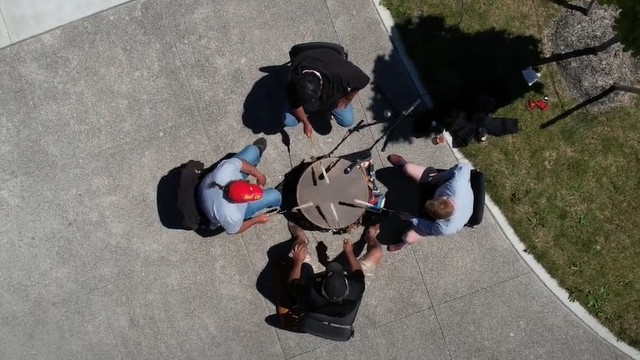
396, 160
261, 144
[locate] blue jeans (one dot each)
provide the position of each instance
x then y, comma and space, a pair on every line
344, 117
271, 198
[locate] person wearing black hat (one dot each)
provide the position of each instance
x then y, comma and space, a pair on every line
321, 80
338, 291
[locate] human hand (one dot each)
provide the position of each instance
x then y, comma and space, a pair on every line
261, 179
308, 130
347, 246
299, 253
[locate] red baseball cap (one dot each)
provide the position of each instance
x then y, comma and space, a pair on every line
240, 191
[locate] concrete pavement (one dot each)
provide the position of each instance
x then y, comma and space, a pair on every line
94, 113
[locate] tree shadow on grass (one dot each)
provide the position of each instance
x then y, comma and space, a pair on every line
462, 72
457, 67
392, 95
572, 7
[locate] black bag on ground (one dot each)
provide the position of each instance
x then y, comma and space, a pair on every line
329, 327
186, 203
300, 48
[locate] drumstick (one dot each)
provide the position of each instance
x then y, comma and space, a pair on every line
306, 205
368, 206
324, 172
361, 202
335, 214
324, 217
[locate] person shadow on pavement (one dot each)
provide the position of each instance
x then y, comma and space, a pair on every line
403, 195
167, 194
265, 104
272, 283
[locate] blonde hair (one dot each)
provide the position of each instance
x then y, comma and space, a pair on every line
439, 209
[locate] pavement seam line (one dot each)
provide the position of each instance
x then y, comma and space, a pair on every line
578, 310
4, 22
424, 282
333, 24
483, 289
189, 88
307, 352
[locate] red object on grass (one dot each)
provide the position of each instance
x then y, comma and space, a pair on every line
539, 104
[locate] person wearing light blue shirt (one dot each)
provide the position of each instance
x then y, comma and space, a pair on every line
451, 206
236, 217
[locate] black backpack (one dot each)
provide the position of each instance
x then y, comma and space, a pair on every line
478, 186
300, 48
186, 203
330, 327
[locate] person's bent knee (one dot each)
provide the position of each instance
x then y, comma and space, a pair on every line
289, 120
273, 197
250, 154
345, 121
344, 117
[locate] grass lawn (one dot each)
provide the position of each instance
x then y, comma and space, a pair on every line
571, 191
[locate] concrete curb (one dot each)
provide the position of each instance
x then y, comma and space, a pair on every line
541, 273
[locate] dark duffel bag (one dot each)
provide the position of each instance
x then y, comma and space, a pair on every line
300, 48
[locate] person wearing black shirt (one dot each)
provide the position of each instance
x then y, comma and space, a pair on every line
337, 292
321, 80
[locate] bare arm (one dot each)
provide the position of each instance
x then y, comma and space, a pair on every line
301, 116
352, 94
253, 171
352, 262
299, 254
347, 99
261, 219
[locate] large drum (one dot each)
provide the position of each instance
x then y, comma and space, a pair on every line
333, 196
